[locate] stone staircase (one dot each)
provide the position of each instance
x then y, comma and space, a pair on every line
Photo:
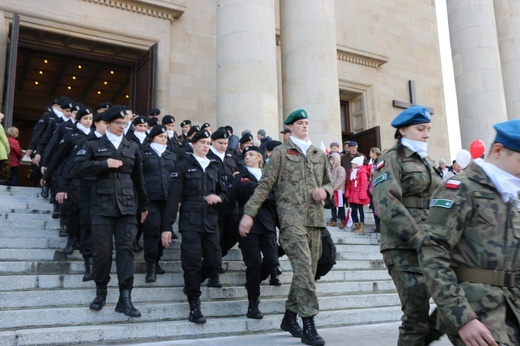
43, 300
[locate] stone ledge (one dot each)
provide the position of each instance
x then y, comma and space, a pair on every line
164, 9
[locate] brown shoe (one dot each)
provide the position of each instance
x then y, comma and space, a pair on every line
342, 224
332, 224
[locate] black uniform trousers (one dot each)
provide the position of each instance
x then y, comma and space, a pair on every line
153, 249
200, 257
107, 230
72, 209
85, 226
257, 269
228, 226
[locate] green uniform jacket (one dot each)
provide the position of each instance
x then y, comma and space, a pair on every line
401, 190
470, 226
4, 145
294, 176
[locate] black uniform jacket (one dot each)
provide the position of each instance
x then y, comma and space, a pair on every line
116, 191
189, 184
156, 172
229, 166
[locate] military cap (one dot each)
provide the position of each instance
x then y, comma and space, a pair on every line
168, 119
104, 105
200, 135
220, 134
352, 144
152, 122
60, 100
97, 117
412, 116
157, 130
66, 105
139, 120
185, 122
205, 125
113, 113
83, 111
154, 112
246, 138
76, 106
193, 129
286, 131
296, 115
508, 134
272, 144
252, 148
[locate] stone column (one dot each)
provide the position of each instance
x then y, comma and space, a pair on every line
246, 66
476, 65
4, 31
507, 16
309, 65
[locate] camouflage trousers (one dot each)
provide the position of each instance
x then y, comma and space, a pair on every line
417, 327
303, 247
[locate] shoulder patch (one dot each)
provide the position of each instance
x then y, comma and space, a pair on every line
82, 152
174, 175
244, 180
453, 184
380, 165
379, 179
443, 203
292, 152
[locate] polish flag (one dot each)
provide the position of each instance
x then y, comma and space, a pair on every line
324, 148
453, 184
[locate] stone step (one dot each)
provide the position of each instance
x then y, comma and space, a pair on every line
129, 330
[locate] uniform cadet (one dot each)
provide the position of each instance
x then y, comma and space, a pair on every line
173, 138
185, 128
228, 213
152, 122
245, 141
186, 150
233, 140
470, 256
158, 163
206, 126
299, 173
286, 135
129, 117
404, 181
259, 247
117, 194
195, 183
154, 112
138, 131
103, 106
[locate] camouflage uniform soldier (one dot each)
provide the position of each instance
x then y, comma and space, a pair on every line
404, 180
471, 255
300, 175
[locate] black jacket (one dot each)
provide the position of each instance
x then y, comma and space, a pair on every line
229, 166
156, 172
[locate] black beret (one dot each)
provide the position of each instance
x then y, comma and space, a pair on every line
185, 122
97, 117
205, 125
157, 130
66, 105
139, 120
286, 131
154, 111
104, 105
246, 138
220, 134
113, 113
193, 129
168, 119
252, 148
83, 111
153, 122
60, 100
76, 106
200, 135
271, 145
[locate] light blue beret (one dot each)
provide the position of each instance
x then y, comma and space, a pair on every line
412, 116
508, 134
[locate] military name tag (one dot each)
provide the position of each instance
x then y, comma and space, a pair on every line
443, 203
100, 150
380, 179
292, 152
174, 175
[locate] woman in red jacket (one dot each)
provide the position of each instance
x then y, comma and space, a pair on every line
15, 155
356, 192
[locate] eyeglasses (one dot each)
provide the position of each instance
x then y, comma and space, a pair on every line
120, 123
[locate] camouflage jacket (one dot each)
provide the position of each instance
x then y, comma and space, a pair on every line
401, 190
470, 226
294, 176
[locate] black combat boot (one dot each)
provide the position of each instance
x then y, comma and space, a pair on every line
101, 296
151, 275
45, 191
88, 269
196, 315
290, 324
71, 244
56, 210
63, 229
310, 335
159, 269
214, 281
253, 311
125, 305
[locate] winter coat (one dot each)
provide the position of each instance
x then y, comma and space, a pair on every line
357, 188
339, 175
4, 145
16, 152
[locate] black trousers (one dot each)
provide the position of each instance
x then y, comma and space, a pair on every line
253, 247
107, 231
72, 209
85, 224
200, 257
228, 226
153, 249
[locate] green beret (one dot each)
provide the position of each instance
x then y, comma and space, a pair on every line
295, 116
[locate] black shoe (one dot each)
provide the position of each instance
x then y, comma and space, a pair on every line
290, 324
151, 275
71, 244
63, 229
253, 311
125, 305
56, 211
275, 282
196, 315
221, 270
159, 269
214, 281
88, 269
45, 191
310, 335
101, 297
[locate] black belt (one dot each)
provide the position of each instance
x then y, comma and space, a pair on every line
115, 175
486, 276
416, 202
194, 199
